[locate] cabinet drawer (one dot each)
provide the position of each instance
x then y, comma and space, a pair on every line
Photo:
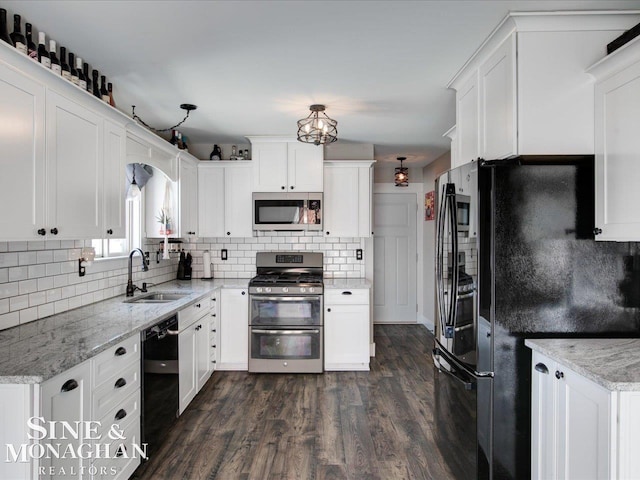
193, 312
346, 297
123, 414
120, 468
107, 365
110, 394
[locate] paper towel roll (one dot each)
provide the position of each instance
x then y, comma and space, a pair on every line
206, 259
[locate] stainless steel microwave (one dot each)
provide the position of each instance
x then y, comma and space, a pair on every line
287, 211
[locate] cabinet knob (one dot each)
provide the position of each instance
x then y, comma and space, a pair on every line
42, 231
109, 232
292, 187
213, 315
244, 293
228, 233
213, 361
198, 305
282, 187
559, 374
69, 385
327, 233
328, 309
213, 346
54, 231
214, 330
597, 231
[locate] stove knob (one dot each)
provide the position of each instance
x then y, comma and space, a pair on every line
259, 289
285, 289
311, 289
267, 289
302, 289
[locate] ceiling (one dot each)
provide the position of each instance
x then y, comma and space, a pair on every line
254, 67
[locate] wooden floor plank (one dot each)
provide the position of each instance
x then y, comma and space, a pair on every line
336, 425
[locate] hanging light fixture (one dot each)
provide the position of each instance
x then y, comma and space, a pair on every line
402, 174
189, 107
317, 128
134, 190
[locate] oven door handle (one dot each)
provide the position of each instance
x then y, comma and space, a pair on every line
284, 332
287, 299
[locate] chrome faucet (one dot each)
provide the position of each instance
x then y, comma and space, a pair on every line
145, 268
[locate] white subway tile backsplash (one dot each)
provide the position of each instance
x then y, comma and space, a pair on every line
18, 303
4, 305
44, 256
25, 258
37, 271
4, 275
17, 246
4, 246
9, 259
18, 273
28, 315
27, 286
9, 320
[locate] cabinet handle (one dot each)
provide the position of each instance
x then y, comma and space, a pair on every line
282, 187
109, 232
121, 382
214, 299
213, 346
327, 233
559, 374
213, 361
228, 233
198, 305
121, 414
213, 314
597, 231
542, 368
42, 232
244, 293
120, 452
214, 330
69, 385
54, 230
328, 309
120, 351
347, 292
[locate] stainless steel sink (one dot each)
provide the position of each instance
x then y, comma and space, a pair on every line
157, 297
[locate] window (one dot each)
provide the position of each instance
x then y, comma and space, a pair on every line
120, 247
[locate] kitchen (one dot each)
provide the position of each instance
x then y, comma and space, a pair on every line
48, 283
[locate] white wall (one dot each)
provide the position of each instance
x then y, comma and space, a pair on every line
430, 173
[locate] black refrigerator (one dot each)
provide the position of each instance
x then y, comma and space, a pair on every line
516, 258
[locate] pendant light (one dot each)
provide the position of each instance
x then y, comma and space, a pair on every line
317, 128
402, 174
134, 190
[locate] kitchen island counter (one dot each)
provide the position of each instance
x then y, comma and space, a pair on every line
39, 350
613, 363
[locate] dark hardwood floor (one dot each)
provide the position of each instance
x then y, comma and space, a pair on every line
338, 425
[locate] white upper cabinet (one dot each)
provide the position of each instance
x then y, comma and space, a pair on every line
286, 165
525, 91
22, 169
115, 185
617, 127
75, 169
347, 198
188, 188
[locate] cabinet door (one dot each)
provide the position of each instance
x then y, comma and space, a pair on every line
114, 180
583, 427
467, 122
269, 166
210, 201
305, 167
234, 329
74, 169
237, 201
617, 144
188, 187
66, 397
341, 201
346, 337
16, 407
187, 365
543, 417
214, 331
203, 362
22, 169
498, 102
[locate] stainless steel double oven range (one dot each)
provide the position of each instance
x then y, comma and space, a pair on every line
286, 313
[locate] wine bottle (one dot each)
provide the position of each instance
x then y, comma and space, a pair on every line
18, 38
4, 33
112, 102
85, 72
72, 67
104, 93
82, 82
94, 83
32, 50
55, 63
43, 55
64, 66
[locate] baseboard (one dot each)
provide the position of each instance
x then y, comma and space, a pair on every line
426, 322
372, 349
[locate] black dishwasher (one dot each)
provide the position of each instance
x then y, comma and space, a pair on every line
160, 399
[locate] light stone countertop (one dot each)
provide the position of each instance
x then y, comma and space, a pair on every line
613, 363
39, 350
342, 283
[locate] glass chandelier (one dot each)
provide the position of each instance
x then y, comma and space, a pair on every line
317, 128
402, 174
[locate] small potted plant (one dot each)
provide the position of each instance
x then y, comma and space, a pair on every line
165, 222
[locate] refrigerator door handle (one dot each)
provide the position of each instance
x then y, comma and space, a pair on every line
449, 359
454, 373
453, 220
440, 257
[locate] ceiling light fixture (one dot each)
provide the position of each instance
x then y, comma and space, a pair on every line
402, 174
185, 106
317, 128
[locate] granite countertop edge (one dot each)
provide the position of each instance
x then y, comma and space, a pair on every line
611, 363
37, 351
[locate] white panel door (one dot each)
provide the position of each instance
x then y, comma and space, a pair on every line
467, 121
188, 187
187, 365
210, 201
114, 180
234, 329
341, 202
203, 362
305, 167
238, 201
22, 161
395, 258
269, 166
75, 174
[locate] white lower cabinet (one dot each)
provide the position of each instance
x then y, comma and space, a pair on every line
193, 350
346, 329
234, 329
580, 429
214, 330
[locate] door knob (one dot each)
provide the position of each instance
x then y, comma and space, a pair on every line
54, 230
